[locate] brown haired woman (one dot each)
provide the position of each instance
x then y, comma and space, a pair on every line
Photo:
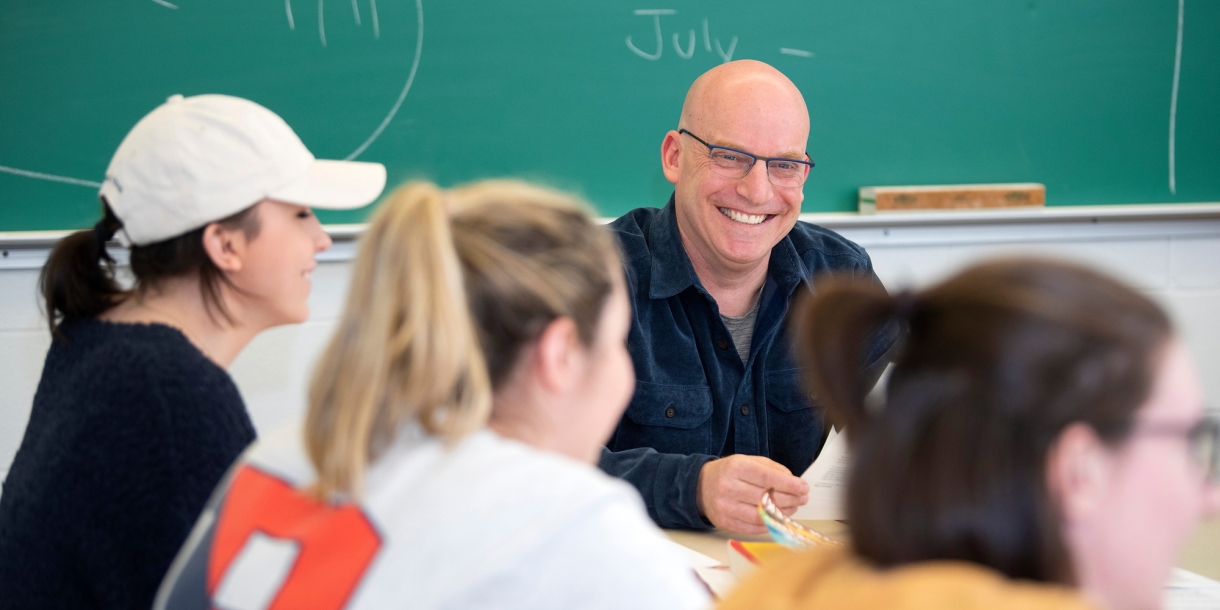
447, 460
1043, 444
135, 420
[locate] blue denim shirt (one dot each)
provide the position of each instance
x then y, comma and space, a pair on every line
694, 399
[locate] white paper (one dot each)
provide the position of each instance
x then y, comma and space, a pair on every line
1190, 591
827, 478
714, 574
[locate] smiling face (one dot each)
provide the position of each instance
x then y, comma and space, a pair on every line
727, 223
274, 279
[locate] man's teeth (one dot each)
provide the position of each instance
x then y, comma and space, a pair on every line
750, 219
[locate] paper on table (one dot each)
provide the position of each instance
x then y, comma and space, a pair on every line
827, 478
1189, 591
715, 575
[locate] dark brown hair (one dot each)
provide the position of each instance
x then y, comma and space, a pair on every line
997, 361
78, 279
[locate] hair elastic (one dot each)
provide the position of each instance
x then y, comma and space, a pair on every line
101, 235
102, 232
904, 306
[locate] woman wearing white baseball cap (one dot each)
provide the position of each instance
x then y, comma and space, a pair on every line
135, 420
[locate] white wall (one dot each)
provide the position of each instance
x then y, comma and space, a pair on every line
1173, 257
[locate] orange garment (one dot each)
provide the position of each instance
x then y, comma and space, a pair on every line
835, 579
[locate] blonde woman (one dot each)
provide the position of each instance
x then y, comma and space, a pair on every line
454, 422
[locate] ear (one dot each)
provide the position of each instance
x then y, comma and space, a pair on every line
556, 356
1078, 473
226, 248
671, 149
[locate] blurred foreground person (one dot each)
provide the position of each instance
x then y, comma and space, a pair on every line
1043, 444
447, 460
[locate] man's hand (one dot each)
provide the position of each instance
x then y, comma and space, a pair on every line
729, 490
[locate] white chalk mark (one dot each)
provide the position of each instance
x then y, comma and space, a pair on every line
656, 22
727, 57
376, 26
690, 48
49, 177
419, 47
707, 39
321, 24
1173, 101
166, 4
796, 52
356, 11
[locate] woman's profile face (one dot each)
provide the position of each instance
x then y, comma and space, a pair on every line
609, 381
1157, 491
276, 271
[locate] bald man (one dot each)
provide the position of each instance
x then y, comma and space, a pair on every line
719, 414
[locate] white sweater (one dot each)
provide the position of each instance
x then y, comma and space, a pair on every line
487, 523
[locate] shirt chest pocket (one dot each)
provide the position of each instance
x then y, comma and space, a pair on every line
796, 427
786, 392
684, 407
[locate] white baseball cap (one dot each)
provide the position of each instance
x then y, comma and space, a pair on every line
196, 160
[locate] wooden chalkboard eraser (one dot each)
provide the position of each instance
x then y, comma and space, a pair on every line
875, 199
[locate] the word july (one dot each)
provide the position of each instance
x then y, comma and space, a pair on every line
689, 51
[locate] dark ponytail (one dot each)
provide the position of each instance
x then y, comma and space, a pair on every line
77, 280
830, 332
997, 361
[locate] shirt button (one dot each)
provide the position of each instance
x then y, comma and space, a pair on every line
722, 344
745, 409
671, 411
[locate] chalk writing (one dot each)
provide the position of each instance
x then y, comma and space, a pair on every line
25, 173
419, 49
1173, 101
684, 53
656, 20
321, 23
381, 127
322, 17
377, 28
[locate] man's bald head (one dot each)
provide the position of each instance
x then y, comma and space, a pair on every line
746, 94
729, 223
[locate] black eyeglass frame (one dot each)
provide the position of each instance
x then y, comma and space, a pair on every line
766, 160
1209, 425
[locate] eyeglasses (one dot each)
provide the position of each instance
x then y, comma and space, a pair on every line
1204, 439
733, 163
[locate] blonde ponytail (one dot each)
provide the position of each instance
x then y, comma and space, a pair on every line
405, 347
447, 290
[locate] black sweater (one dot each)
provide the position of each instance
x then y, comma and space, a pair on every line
132, 428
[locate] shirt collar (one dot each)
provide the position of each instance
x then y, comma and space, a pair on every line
672, 271
786, 266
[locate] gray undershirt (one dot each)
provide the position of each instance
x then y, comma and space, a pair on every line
742, 330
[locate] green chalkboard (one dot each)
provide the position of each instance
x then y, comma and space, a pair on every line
1082, 95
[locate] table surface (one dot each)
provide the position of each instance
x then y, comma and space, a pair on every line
1201, 555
